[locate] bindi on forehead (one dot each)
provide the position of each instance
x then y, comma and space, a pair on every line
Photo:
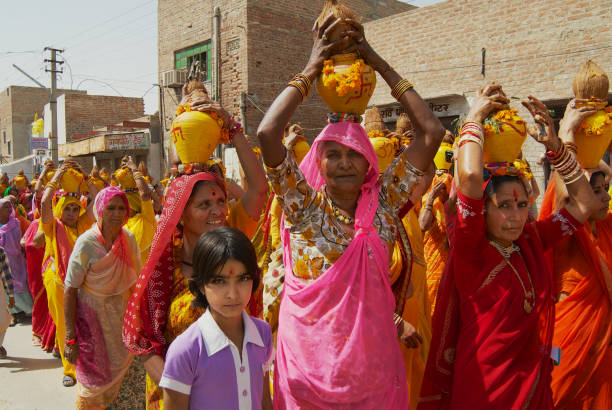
515, 195
231, 272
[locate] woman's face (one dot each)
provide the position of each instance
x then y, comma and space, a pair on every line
229, 291
70, 216
205, 211
343, 168
600, 189
5, 212
114, 214
506, 213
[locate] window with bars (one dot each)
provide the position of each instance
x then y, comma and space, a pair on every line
202, 53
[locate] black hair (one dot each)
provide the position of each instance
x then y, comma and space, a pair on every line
212, 251
497, 181
594, 175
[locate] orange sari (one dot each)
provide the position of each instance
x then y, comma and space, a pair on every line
435, 241
583, 324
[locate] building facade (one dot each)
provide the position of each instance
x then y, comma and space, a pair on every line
18, 105
249, 50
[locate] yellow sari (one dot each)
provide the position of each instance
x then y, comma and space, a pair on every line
143, 226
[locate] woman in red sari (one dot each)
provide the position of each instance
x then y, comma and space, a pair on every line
493, 325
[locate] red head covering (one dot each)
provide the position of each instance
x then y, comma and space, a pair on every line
145, 318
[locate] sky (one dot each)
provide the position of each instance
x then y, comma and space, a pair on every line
110, 47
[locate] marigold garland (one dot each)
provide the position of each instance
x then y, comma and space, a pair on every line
375, 134
494, 124
518, 168
344, 83
598, 124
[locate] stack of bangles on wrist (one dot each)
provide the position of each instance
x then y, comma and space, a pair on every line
235, 129
572, 147
400, 88
565, 163
52, 185
397, 319
471, 132
302, 83
138, 175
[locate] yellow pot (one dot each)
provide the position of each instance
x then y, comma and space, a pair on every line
385, 151
125, 178
71, 180
441, 156
593, 138
505, 133
20, 182
355, 101
48, 176
195, 136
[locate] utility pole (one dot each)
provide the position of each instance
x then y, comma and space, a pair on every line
53, 99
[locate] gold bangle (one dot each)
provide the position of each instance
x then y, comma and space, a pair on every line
304, 77
300, 86
400, 88
52, 185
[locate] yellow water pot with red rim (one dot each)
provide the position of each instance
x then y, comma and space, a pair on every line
354, 101
593, 138
195, 136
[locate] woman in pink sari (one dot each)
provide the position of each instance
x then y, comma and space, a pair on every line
337, 343
102, 270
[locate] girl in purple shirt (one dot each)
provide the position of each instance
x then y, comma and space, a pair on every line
222, 360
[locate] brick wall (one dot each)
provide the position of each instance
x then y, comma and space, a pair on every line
270, 42
532, 47
17, 108
84, 112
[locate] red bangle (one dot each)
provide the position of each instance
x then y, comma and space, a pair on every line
71, 342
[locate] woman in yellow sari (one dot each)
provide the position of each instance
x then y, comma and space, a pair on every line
196, 202
62, 221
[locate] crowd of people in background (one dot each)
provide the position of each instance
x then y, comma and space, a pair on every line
375, 268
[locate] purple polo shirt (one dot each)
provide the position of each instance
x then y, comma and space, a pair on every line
203, 363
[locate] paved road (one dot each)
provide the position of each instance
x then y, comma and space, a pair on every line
31, 379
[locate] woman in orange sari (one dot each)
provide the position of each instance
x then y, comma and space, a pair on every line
583, 325
433, 224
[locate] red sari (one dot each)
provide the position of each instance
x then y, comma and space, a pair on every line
491, 336
42, 324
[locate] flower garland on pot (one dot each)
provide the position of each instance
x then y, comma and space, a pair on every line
343, 83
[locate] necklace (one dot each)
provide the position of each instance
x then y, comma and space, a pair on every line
506, 253
347, 220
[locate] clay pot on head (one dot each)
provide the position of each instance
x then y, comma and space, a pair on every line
505, 133
354, 101
195, 136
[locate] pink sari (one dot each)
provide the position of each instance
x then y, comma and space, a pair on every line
337, 344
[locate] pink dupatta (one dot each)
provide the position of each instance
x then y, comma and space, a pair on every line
337, 345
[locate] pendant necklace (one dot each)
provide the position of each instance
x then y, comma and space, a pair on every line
529, 296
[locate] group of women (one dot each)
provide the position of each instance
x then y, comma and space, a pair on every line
385, 290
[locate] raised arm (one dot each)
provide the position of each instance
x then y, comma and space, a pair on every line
143, 189
582, 202
254, 199
469, 162
428, 129
271, 128
426, 217
46, 205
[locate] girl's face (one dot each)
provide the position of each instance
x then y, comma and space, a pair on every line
506, 213
600, 189
229, 291
206, 210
